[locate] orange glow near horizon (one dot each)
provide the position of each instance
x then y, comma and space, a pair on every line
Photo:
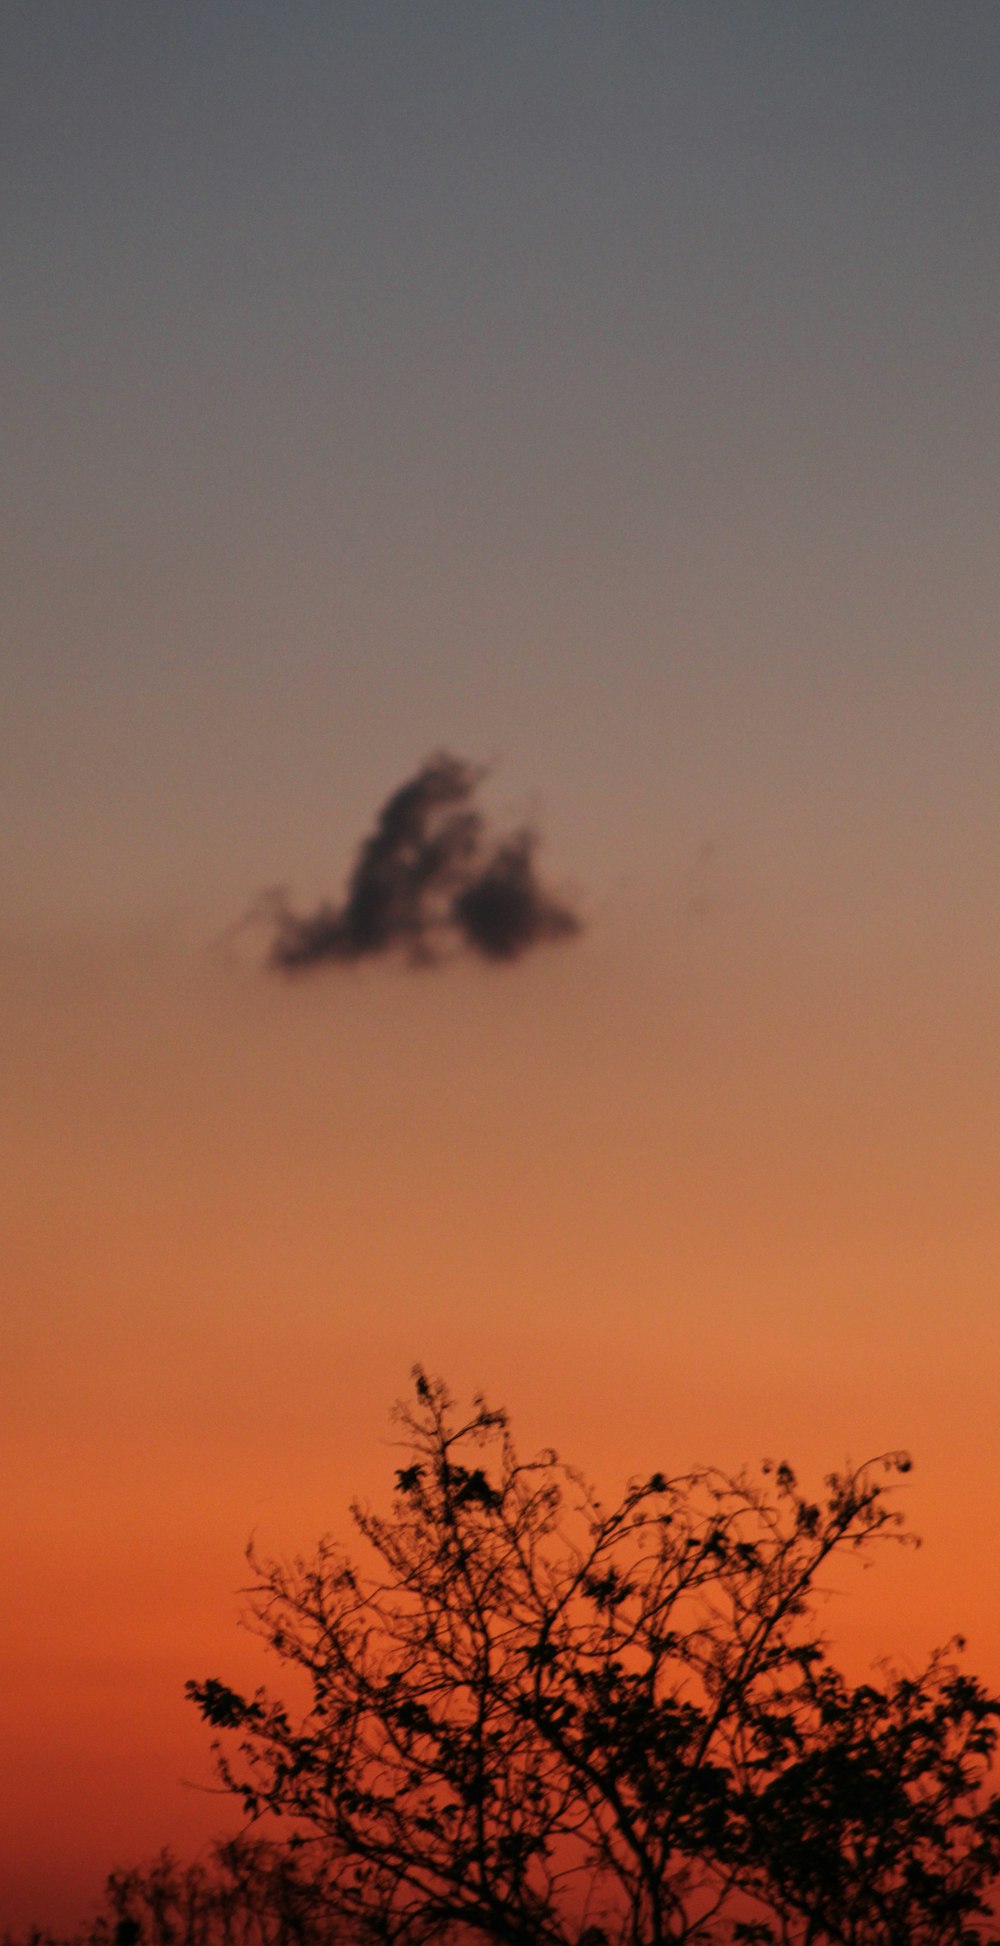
701, 1264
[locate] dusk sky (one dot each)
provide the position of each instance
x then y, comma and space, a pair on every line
605, 394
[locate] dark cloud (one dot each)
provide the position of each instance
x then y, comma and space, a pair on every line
503, 910
428, 881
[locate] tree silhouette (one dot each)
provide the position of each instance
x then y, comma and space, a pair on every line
534, 1718
247, 1893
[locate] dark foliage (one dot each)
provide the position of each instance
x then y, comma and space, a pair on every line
539, 1719
246, 1894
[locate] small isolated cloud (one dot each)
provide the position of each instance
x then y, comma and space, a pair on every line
429, 882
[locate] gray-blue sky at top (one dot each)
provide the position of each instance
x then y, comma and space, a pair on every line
599, 389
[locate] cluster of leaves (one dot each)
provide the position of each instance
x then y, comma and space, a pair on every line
537, 1719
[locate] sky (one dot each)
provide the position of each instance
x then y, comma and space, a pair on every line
604, 395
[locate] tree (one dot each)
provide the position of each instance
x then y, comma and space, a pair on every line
534, 1718
247, 1893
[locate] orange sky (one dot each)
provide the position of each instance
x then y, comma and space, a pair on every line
616, 410
661, 1232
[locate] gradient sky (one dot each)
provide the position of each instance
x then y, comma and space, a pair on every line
607, 393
